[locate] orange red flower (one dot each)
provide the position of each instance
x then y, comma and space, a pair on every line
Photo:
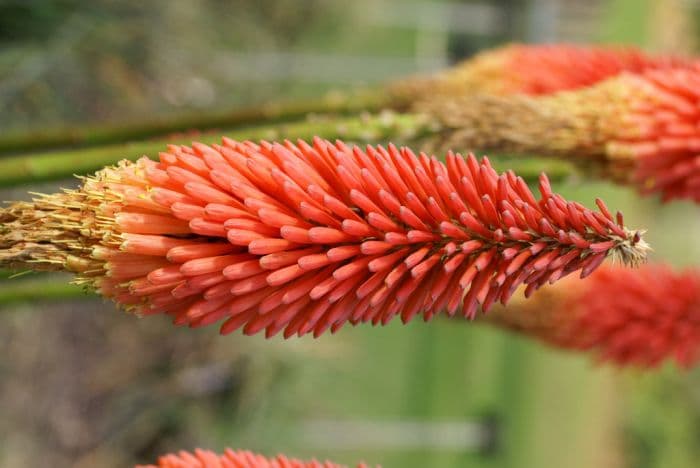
641, 129
533, 70
236, 459
305, 238
642, 317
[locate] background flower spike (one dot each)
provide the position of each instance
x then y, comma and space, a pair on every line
533, 70
640, 129
304, 238
644, 317
236, 458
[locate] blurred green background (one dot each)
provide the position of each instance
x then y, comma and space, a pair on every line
82, 385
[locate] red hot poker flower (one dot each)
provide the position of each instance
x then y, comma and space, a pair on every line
533, 70
658, 131
305, 238
640, 128
639, 318
235, 459
549, 68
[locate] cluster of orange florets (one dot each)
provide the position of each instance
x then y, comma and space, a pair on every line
656, 129
236, 459
635, 113
305, 238
545, 69
631, 317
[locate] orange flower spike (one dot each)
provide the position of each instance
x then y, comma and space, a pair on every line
533, 70
642, 318
545, 69
320, 236
658, 132
236, 459
641, 129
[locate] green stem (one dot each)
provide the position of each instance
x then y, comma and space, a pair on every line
54, 165
40, 289
382, 128
269, 113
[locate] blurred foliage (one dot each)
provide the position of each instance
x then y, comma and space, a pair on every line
99, 388
32, 20
108, 60
663, 424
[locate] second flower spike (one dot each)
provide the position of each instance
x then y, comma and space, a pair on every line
304, 238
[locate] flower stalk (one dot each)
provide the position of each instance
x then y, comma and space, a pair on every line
49, 288
265, 114
15, 170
